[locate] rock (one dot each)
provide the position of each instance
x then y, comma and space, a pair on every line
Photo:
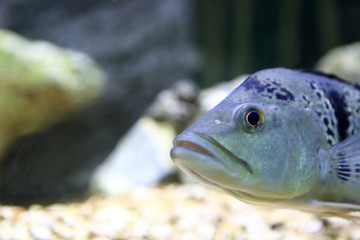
41, 84
143, 46
210, 97
140, 159
176, 105
153, 133
344, 61
41, 233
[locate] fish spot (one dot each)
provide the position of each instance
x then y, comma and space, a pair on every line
288, 93
271, 90
272, 87
254, 83
280, 96
326, 121
285, 95
307, 101
312, 85
330, 132
276, 83
357, 168
339, 105
327, 106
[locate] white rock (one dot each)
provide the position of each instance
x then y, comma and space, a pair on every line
344, 61
210, 97
140, 159
41, 233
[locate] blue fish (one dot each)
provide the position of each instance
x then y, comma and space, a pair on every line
283, 138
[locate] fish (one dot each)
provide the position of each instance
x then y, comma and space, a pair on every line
283, 139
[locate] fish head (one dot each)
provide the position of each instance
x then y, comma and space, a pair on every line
257, 151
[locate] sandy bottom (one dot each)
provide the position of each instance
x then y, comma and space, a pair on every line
170, 212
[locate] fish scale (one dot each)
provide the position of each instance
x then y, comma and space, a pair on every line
299, 149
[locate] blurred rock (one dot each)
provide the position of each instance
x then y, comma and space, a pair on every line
177, 105
210, 97
40, 85
140, 159
344, 61
144, 46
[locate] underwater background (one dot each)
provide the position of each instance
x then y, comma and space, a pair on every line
92, 92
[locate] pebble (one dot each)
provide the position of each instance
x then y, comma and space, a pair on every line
41, 232
168, 212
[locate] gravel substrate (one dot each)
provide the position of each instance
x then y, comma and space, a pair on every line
170, 212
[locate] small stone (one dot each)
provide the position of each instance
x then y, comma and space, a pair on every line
314, 226
41, 233
206, 230
62, 230
162, 231
128, 167
10, 212
141, 228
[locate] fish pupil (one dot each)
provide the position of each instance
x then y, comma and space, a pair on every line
253, 119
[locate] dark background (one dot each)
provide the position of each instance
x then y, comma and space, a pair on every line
237, 37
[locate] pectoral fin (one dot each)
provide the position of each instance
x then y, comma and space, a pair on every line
344, 160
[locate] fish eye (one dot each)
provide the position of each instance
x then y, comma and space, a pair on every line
252, 119
249, 118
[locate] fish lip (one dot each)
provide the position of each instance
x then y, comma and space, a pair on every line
184, 141
193, 146
197, 176
250, 198
243, 196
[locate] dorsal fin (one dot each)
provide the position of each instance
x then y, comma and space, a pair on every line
324, 74
330, 75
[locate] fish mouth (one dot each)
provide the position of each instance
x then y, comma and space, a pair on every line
188, 144
193, 146
210, 152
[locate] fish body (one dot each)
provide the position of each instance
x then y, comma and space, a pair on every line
283, 138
